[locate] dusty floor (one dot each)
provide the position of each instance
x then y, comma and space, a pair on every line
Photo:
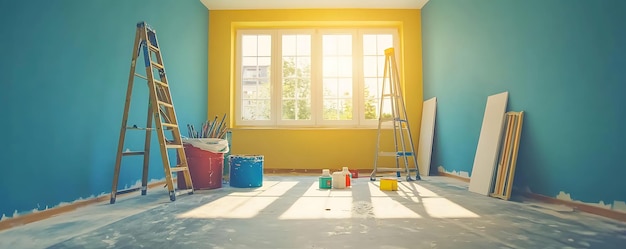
291, 212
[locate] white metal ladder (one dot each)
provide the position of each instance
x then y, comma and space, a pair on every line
396, 114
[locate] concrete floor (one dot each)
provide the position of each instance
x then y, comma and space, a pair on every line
291, 212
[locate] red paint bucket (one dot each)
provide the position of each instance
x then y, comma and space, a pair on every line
205, 168
355, 173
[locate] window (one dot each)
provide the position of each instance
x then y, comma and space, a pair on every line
310, 78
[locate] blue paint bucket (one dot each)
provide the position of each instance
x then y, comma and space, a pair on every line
246, 171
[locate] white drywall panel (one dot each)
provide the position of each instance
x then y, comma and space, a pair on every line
486, 157
427, 133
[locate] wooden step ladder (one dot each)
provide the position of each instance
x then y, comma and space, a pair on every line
395, 114
161, 108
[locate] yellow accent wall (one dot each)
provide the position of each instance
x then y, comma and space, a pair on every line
309, 148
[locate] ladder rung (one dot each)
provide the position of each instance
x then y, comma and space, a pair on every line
133, 153
153, 48
178, 169
157, 65
134, 127
396, 154
389, 95
161, 83
174, 146
165, 104
141, 76
386, 153
169, 125
389, 169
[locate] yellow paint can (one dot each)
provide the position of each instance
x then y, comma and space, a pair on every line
388, 184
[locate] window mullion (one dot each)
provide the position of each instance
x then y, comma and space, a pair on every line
357, 96
276, 77
316, 77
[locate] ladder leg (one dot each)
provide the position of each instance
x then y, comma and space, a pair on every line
120, 145
146, 155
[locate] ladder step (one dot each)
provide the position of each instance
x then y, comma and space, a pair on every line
404, 153
170, 125
134, 127
174, 146
387, 153
161, 83
165, 104
157, 65
178, 169
141, 76
396, 154
389, 95
389, 169
153, 48
133, 153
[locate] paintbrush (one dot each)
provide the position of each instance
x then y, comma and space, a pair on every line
219, 128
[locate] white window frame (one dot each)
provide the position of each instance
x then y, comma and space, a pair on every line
358, 98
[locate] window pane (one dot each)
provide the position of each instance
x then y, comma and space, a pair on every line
289, 68
369, 45
249, 45
345, 66
330, 67
384, 41
265, 45
345, 88
330, 88
289, 109
289, 48
372, 96
345, 109
370, 66
337, 74
296, 82
374, 46
255, 77
256, 110
330, 110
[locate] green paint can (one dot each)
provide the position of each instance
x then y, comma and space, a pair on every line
326, 182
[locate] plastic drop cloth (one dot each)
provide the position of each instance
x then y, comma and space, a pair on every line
215, 145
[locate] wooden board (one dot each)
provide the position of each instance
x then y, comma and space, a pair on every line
427, 133
488, 144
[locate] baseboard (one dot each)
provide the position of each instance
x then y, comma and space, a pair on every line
41, 215
465, 179
617, 215
309, 171
608, 213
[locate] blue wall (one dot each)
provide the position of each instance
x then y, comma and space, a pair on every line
63, 72
563, 63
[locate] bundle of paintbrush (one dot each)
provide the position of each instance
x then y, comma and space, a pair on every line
210, 129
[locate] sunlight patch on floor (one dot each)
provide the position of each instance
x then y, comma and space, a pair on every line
315, 203
241, 205
318, 203
236, 207
319, 208
444, 208
385, 207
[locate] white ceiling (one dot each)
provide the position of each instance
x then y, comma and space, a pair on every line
312, 4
